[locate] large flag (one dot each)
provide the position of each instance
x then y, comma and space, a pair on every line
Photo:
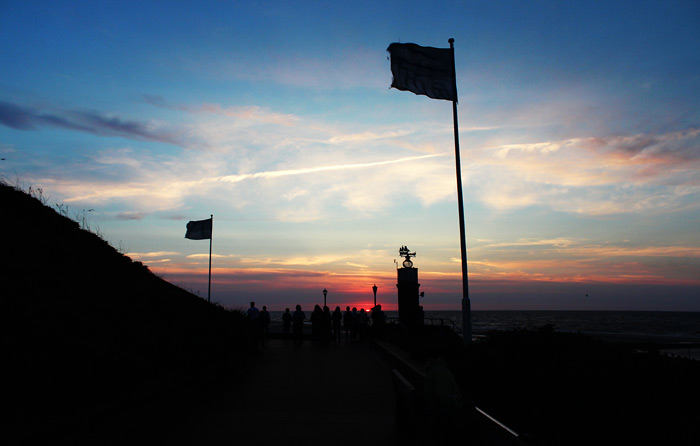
423, 70
199, 230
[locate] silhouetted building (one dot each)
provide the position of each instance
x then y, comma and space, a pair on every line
409, 310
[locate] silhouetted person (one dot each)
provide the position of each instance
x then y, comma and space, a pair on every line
355, 322
421, 315
378, 320
326, 324
316, 323
265, 321
337, 321
362, 325
253, 312
347, 322
286, 322
255, 325
298, 322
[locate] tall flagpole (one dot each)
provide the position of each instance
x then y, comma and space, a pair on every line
211, 236
466, 304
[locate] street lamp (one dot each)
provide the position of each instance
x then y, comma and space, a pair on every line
325, 293
374, 289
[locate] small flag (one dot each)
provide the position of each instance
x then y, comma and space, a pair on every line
199, 230
423, 70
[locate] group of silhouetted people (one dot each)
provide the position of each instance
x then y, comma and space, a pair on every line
326, 326
259, 322
293, 323
354, 324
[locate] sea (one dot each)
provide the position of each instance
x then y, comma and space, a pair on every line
678, 330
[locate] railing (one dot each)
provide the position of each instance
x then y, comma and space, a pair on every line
499, 433
498, 423
408, 414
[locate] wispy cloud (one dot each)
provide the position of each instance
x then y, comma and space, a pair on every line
292, 261
583, 248
559, 242
597, 176
368, 136
89, 121
148, 184
206, 256
296, 169
246, 113
142, 255
576, 260
130, 216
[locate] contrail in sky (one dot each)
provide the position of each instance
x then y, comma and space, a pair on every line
282, 173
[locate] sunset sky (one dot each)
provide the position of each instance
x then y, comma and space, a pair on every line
579, 131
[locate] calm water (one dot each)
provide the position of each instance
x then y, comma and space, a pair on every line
656, 323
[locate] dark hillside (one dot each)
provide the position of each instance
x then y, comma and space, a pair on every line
87, 331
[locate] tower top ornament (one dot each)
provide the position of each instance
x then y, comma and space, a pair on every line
405, 252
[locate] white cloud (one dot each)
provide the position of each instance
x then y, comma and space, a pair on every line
141, 255
596, 176
293, 169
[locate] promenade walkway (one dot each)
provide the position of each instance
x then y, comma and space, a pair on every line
299, 394
288, 393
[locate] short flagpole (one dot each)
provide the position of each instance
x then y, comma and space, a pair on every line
466, 304
211, 236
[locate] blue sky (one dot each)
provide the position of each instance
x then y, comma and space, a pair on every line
579, 134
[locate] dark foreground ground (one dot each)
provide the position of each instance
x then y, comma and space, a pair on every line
303, 394
566, 388
550, 388
287, 394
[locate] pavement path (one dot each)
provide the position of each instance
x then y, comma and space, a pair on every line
290, 393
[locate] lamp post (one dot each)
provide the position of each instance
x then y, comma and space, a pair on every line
325, 293
374, 289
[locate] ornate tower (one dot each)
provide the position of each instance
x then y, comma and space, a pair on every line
408, 285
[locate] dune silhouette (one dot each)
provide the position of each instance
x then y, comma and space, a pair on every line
87, 331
